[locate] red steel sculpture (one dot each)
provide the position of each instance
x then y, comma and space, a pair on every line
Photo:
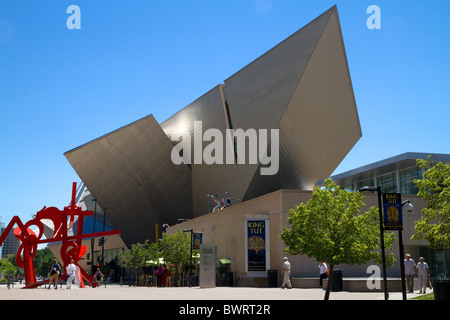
71, 246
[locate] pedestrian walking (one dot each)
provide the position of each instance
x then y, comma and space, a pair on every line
98, 276
71, 269
423, 271
77, 277
54, 274
159, 275
410, 271
286, 272
167, 275
323, 272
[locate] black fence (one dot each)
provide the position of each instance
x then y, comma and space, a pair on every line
441, 288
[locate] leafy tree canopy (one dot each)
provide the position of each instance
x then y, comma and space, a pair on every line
138, 254
331, 228
43, 261
176, 248
5, 267
434, 225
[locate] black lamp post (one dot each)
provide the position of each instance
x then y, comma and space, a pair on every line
378, 190
410, 207
190, 266
92, 239
103, 240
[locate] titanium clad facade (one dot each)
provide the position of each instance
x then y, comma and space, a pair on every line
258, 97
130, 172
321, 124
301, 88
318, 120
206, 179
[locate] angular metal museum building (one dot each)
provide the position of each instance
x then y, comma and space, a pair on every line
301, 88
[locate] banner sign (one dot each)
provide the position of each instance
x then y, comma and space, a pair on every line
392, 207
256, 240
196, 240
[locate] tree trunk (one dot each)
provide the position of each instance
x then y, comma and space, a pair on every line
330, 280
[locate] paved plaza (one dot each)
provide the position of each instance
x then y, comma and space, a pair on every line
117, 292
199, 303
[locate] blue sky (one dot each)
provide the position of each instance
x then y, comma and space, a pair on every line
61, 88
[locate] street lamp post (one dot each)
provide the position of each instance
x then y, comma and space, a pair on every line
378, 190
92, 239
103, 241
410, 207
190, 266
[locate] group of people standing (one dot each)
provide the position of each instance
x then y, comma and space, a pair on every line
73, 277
412, 269
55, 272
163, 276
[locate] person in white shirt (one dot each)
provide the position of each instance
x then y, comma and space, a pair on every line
423, 271
71, 269
286, 272
410, 270
77, 277
323, 270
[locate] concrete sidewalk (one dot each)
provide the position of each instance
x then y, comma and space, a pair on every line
117, 292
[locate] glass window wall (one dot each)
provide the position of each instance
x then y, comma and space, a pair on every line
366, 182
388, 182
407, 177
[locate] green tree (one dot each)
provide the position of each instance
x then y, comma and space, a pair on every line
434, 188
43, 261
331, 228
5, 267
139, 253
176, 249
12, 259
153, 251
136, 257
